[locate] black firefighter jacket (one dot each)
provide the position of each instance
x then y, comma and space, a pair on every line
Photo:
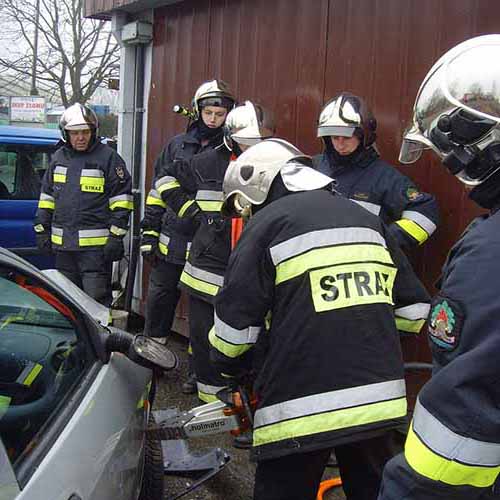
336, 289
454, 438
198, 187
161, 227
85, 197
412, 215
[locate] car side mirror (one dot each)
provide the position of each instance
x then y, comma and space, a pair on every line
144, 351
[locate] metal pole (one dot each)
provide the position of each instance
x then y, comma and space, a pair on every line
34, 90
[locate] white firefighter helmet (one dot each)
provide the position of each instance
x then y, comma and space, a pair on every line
248, 123
213, 93
346, 115
78, 117
248, 179
457, 111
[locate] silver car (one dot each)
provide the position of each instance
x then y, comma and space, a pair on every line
73, 404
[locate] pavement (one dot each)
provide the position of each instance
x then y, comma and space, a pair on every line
235, 480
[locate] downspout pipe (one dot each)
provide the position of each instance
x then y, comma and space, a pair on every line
136, 174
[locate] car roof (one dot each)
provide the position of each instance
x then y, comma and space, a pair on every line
29, 135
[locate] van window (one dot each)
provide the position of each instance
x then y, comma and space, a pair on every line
21, 171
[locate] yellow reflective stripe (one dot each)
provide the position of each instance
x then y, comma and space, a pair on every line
56, 239
184, 207
127, 205
39, 228
167, 186
331, 421
190, 349
117, 231
49, 205
4, 404
92, 241
413, 229
207, 398
197, 284
32, 375
151, 233
163, 248
320, 257
229, 350
437, 468
210, 206
410, 326
60, 178
152, 200
10, 319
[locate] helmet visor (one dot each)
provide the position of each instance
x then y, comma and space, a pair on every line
414, 143
327, 131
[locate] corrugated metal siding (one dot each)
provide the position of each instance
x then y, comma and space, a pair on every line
293, 55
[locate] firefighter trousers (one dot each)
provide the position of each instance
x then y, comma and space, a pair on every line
163, 295
89, 270
297, 476
201, 321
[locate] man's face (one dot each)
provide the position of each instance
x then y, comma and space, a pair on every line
345, 145
213, 116
80, 139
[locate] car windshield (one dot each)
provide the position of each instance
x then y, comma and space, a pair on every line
21, 303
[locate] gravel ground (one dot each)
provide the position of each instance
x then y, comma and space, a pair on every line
235, 480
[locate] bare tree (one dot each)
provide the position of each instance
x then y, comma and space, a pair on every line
73, 56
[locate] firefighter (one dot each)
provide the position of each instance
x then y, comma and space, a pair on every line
334, 285
453, 444
166, 238
197, 195
84, 205
348, 129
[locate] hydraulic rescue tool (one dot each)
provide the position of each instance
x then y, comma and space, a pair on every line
232, 412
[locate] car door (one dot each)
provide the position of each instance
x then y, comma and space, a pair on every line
71, 420
21, 170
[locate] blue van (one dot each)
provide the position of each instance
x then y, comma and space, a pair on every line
24, 157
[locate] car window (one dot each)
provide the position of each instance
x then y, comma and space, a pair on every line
43, 355
21, 170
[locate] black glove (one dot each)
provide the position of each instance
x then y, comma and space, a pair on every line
44, 243
113, 250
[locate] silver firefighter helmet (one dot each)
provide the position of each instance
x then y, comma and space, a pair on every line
248, 124
346, 115
248, 179
457, 111
213, 93
78, 117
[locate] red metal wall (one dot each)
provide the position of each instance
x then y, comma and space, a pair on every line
293, 55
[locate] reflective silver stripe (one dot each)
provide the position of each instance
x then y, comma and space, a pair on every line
57, 231
154, 194
424, 222
237, 337
209, 389
450, 445
209, 195
46, 197
121, 197
164, 180
188, 246
164, 239
91, 172
323, 238
200, 274
60, 170
371, 207
330, 401
118, 230
415, 311
92, 233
